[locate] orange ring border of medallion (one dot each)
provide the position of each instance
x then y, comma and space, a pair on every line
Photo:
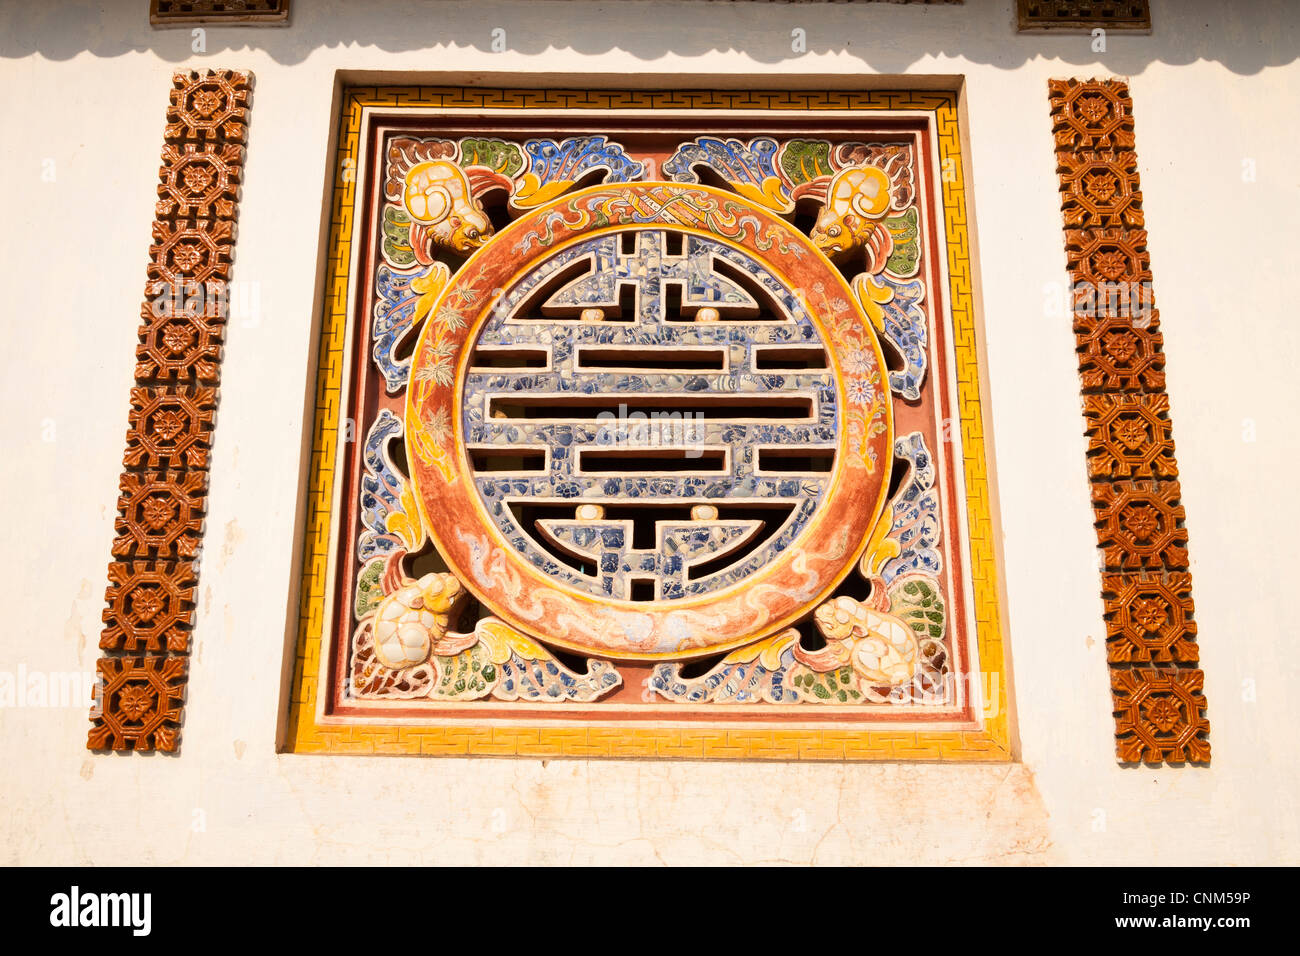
459, 497
308, 730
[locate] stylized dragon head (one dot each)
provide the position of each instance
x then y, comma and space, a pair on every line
857, 200
442, 208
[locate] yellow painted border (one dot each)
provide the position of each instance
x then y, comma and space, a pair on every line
628, 738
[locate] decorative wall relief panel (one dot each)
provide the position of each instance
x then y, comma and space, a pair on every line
146, 637
647, 431
1151, 631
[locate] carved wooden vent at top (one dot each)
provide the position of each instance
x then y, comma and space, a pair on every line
1083, 14
163, 13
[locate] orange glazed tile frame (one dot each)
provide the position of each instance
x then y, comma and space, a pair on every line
150, 596
309, 731
1151, 632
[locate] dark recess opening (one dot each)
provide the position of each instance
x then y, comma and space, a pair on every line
591, 407
508, 358
659, 459
507, 460
668, 359
700, 666
797, 358
796, 460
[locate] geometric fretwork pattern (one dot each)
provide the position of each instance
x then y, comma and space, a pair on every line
646, 272
1160, 715
1118, 354
142, 700
1150, 619
160, 512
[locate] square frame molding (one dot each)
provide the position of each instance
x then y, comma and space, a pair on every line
984, 735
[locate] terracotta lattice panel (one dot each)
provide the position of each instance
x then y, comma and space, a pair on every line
472, 672
150, 596
1150, 625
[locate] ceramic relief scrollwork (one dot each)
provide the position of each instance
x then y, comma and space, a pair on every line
535, 305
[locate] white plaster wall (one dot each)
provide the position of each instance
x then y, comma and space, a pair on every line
85, 85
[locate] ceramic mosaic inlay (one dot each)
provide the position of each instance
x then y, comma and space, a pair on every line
1151, 631
147, 624
574, 353
649, 422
